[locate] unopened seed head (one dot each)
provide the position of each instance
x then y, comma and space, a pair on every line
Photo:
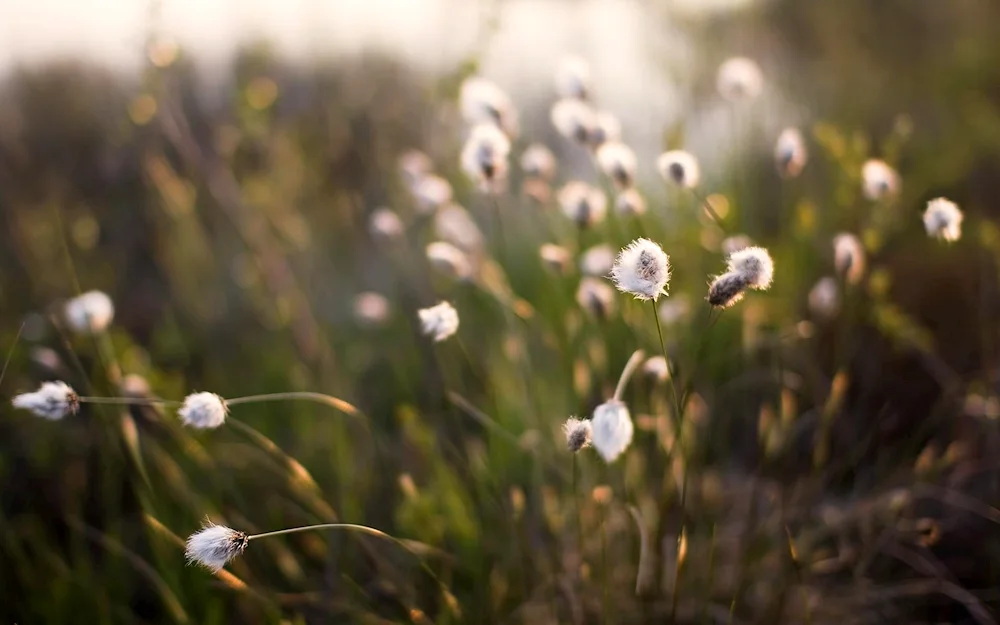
679, 168
574, 119
537, 161
596, 297
739, 79
213, 546
618, 162
849, 257
203, 411
727, 289
449, 260
385, 225
790, 153
630, 203
52, 400
879, 180
756, 266
573, 78
577, 433
612, 430
597, 260
453, 224
943, 220
90, 312
582, 203
555, 258
439, 322
824, 298
642, 269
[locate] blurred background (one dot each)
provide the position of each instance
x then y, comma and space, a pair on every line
215, 167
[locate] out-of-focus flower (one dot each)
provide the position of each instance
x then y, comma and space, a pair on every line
606, 128
656, 368
618, 162
597, 260
413, 166
449, 260
680, 168
484, 157
735, 243
642, 269
824, 298
203, 410
739, 79
453, 224
574, 119
213, 546
612, 430
584, 204
555, 257
755, 265
430, 192
596, 297
849, 257
879, 180
371, 309
385, 225
52, 400
483, 102
674, 309
790, 153
727, 289
439, 322
538, 161
573, 78
943, 219
577, 433
630, 203
90, 312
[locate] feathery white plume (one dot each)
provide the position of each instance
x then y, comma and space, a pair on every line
213, 546
612, 430
577, 433
879, 180
727, 289
824, 298
756, 266
584, 204
52, 400
538, 161
849, 257
203, 411
484, 157
597, 260
943, 219
642, 269
618, 162
596, 297
90, 312
679, 167
385, 225
454, 224
790, 153
439, 322
739, 79
449, 260
573, 78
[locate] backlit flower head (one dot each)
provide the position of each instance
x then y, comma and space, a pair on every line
577, 433
756, 266
52, 400
573, 78
656, 368
824, 298
597, 260
371, 309
943, 219
607, 127
555, 257
538, 161
739, 79
879, 180
612, 430
596, 297
618, 162
453, 224
483, 102
727, 289
384, 224
790, 153
849, 257
642, 269
203, 411
679, 167
735, 243
213, 546
574, 119
90, 312
584, 204
449, 260
430, 192
484, 157
438, 322
630, 203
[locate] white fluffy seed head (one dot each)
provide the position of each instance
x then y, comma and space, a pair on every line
849, 257
582, 203
203, 411
438, 322
555, 257
483, 102
573, 78
879, 180
213, 546
756, 266
656, 368
612, 430
52, 400
642, 269
453, 224
371, 309
577, 433
596, 297
574, 119
618, 162
739, 79
537, 161
90, 312
384, 225
430, 192
790, 153
630, 203
943, 219
484, 156
680, 168
824, 298
448, 260
727, 289
597, 260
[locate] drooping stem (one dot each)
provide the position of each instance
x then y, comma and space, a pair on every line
320, 398
630, 367
364, 529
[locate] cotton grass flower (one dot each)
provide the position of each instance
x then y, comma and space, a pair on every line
577, 433
630, 203
790, 153
572, 78
596, 297
537, 161
642, 269
438, 322
680, 168
879, 180
52, 401
203, 411
656, 368
484, 157
597, 260
213, 546
448, 260
755, 265
413, 166
943, 220
824, 298
607, 127
573, 119
453, 224
371, 309
739, 79
483, 102
618, 162
583, 204
90, 312
555, 258
431, 192
612, 430
849, 257
727, 289
384, 225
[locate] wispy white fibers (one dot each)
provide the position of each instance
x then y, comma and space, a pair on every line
642, 269
53, 401
739, 79
578, 433
214, 546
680, 168
90, 312
612, 429
879, 180
439, 322
790, 153
203, 411
849, 257
943, 220
727, 289
755, 265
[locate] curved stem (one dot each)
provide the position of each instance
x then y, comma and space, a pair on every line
328, 400
364, 529
630, 367
708, 208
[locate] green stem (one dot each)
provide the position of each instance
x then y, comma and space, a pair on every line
604, 565
670, 373
708, 208
320, 398
128, 401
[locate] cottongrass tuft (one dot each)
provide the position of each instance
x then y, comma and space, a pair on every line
555, 257
431, 192
449, 260
739, 79
618, 162
630, 203
578, 433
597, 260
52, 400
727, 289
414, 165
943, 220
537, 161
612, 430
371, 309
790, 153
680, 168
879, 180
849, 257
484, 156
384, 225
596, 297
439, 322
483, 102
574, 119
755, 265
203, 411
642, 269
572, 78
656, 367
583, 204
214, 546
90, 312
453, 224
824, 298
607, 127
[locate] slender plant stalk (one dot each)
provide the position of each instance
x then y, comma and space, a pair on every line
321, 398
711, 578
604, 565
708, 208
579, 518
670, 373
10, 353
